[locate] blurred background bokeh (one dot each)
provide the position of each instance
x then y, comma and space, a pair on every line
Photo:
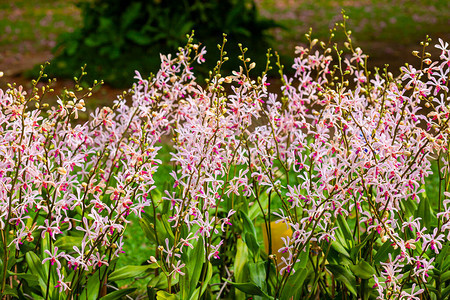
115, 37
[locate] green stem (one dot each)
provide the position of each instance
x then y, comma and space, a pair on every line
48, 281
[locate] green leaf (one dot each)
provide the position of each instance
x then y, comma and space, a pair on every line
31, 279
160, 282
162, 295
67, 242
193, 269
91, 41
294, 284
45, 245
303, 257
167, 228
249, 288
197, 293
442, 255
149, 232
424, 212
336, 245
162, 228
257, 273
383, 252
139, 38
131, 14
343, 226
355, 249
151, 292
446, 292
445, 276
90, 292
247, 223
363, 270
240, 260
240, 263
255, 210
11, 262
252, 244
430, 289
128, 272
36, 268
118, 294
409, 207
446, 263
10, 291
344, 276
208, 277
106, 24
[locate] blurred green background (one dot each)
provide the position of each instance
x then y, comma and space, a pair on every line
115, 37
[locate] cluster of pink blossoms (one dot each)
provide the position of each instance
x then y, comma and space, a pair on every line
57, 177
60, 178
318, 151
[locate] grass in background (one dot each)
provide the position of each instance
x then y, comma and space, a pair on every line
35, 25
402, 21
379, 26
397, 22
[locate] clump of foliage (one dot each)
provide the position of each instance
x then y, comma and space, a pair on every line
119, 36
338, 157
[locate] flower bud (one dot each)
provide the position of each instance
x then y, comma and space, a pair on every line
80, 105
62, 171
152, 260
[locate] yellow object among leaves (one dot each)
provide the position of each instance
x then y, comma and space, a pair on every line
278, 230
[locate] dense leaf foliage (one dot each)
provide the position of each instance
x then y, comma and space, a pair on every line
118, 36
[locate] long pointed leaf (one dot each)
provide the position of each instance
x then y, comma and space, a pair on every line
118, 294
